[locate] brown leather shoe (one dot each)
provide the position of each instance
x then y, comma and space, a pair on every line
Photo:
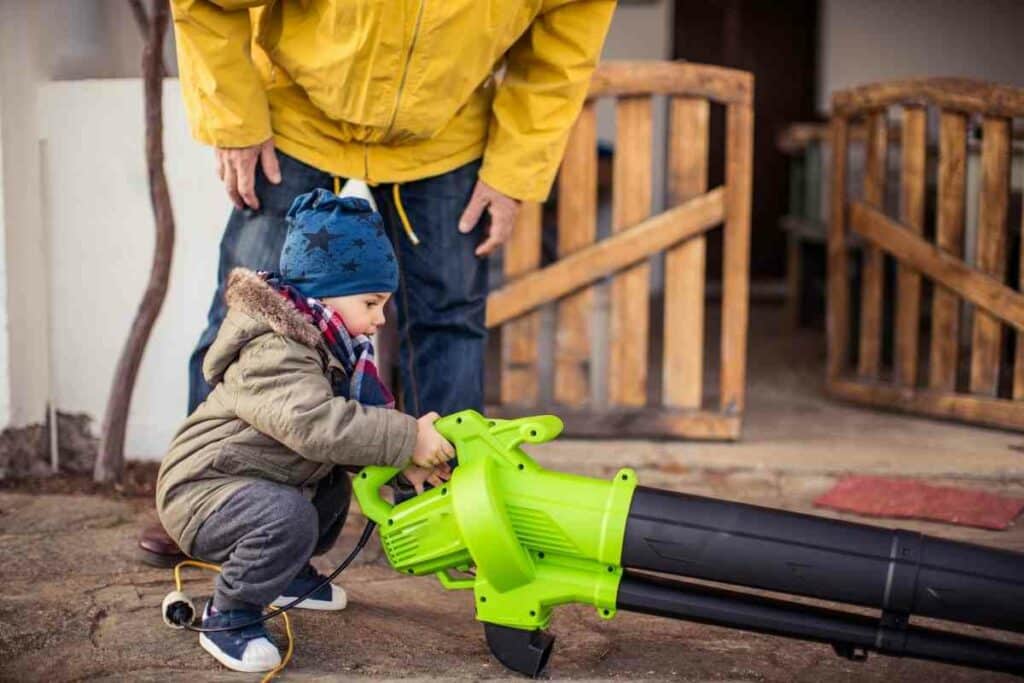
157, 549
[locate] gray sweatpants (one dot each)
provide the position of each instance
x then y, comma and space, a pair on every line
265, 533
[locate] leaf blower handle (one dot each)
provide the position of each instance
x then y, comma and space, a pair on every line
367, 487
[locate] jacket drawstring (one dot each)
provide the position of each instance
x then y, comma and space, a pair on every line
406, 225
397, 196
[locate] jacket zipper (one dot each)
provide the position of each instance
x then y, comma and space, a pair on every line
405, 69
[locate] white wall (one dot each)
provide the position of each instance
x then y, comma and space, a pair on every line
41, 40
101, 242
21, 65
5, 395
640, 31
95, 39
864, 41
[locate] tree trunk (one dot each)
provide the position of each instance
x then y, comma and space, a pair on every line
110, 463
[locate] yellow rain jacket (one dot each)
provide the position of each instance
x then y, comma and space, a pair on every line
394, 90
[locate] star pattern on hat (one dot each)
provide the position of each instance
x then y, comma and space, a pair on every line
358, 243
350, 266
320, 239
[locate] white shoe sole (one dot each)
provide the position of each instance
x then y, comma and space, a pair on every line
231, 662
339, 602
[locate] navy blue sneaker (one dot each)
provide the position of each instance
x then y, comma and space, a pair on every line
328, 598
249, 649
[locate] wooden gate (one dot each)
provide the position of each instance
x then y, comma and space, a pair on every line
951, 353
583, 264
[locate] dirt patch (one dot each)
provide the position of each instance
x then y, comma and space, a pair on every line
25, 451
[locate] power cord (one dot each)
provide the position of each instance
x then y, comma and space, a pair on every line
178, 611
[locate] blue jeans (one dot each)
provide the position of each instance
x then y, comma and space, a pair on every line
442, 292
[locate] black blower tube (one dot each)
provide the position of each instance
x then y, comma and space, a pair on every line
900, 572
852, 635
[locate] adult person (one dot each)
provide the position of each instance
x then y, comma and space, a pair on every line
453, 112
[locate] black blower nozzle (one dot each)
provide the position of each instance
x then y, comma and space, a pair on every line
898, 571
902, 573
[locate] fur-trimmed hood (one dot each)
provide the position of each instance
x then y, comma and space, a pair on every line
254, 309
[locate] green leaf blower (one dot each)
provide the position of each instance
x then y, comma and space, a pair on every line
525, 540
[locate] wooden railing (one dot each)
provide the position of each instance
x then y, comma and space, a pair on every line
949, 356
584, 263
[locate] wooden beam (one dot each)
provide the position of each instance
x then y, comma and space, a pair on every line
908, 284
837, 312
869, 354
630, 78
683, 360
1018, 364
739, 153
949, 236
961, 279
987, 335
983, 410
644, 422
630, 290
606, 257
519, 371
577, 228
952, 94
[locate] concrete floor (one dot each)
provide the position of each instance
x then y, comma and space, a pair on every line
77, 605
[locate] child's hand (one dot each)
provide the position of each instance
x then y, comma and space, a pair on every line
431, 448
418, 476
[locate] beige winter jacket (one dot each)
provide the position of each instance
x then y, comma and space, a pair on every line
272, 414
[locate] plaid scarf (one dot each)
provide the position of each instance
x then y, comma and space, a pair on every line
354, 353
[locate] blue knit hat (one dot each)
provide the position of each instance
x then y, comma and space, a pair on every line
336, 246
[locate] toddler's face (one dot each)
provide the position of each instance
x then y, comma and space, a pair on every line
362, 313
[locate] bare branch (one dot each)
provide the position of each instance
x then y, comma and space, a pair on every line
110, 463
141, 19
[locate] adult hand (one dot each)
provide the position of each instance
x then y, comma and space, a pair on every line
418, 476
503, 211
236, 167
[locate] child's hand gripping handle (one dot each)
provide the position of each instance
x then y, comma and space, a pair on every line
431, 449
367, 487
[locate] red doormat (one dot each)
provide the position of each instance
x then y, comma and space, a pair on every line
881, 497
